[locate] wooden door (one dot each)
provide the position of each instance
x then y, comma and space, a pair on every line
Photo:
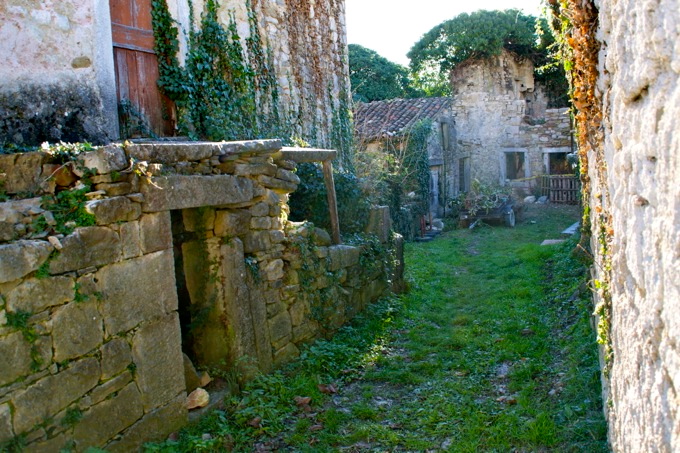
137, 70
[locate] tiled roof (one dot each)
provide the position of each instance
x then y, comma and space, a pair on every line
379, 118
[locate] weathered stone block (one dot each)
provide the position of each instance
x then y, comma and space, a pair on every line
137, 290
58, 443
15, 358
157, 352
155, 232
277, 185
77, 329
286, 354
183, 192
280, 327
115, 189
6, 432
260, 223
103, 421
170, 153
104, 160
274, 270
287, 175
86, 247
112, 210
260, 209
250, 146
297, 312
277, 236
130, 239
275, 308
22, 171
191, 377
380, 223
50, 395
305, 332
199, 219
232, 223
36, 294
116, 356
255, 169
154, 426
343, 256
320, 237
256, 241
101, 392
21, 258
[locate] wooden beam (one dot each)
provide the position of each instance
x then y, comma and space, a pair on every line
332, 200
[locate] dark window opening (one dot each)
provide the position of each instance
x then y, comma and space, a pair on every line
514, 165
558, 164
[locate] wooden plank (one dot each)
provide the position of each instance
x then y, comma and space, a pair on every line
332, 200
132, 38
142, 11
121, 12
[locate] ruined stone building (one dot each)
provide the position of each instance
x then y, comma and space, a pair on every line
505, 134
383, 124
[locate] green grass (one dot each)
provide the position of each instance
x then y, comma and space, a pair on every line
491, 350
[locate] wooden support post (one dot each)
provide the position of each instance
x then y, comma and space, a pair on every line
332, 200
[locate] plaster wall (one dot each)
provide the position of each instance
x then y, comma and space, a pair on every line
57, 77
640, 87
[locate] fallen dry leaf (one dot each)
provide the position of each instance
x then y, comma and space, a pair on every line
328, 389
303, 400
255, 422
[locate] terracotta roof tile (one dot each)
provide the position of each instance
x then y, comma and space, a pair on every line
379, 118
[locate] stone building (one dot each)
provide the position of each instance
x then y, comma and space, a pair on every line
505, 134
67, 65
383, 124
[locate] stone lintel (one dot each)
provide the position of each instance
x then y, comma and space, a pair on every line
183, 192
170, 152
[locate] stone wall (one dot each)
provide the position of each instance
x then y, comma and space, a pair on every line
56, 82
635, 203
308, 44
93, 323
498, 109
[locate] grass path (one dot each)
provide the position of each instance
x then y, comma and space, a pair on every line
491, 350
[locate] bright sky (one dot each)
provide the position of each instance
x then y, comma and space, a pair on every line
391, 27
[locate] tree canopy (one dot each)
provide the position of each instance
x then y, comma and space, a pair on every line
483, 34
375, 78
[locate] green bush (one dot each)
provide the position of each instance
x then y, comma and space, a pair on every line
309, 202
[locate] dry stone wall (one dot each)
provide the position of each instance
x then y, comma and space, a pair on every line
498, 109
91, 324
635, 201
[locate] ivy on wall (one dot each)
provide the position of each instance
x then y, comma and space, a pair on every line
228, 87
575, 26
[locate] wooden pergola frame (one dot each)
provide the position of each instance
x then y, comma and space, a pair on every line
325, 156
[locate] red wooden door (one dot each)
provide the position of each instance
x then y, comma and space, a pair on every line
137, 67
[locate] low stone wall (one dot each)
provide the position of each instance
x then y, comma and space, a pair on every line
188, 248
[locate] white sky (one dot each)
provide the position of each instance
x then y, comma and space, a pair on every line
391, 27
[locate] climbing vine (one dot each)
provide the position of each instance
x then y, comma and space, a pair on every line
575, 26
228, 88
